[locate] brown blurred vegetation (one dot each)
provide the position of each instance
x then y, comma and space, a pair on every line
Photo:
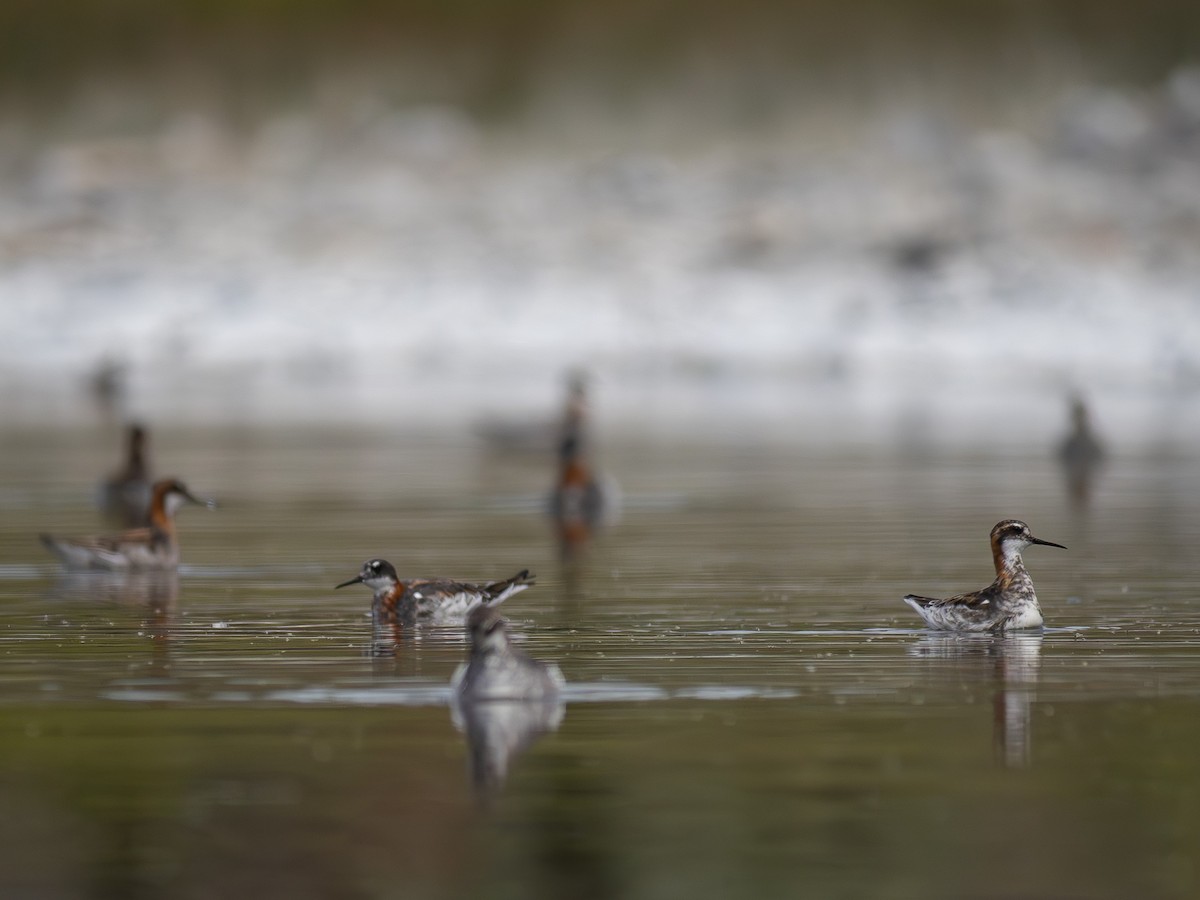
491, 57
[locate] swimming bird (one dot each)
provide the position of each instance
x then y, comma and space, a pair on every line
538, 436
126, 495
582, 500
574, 417
153, 547
440, 599
496, 669
577, 503
107, 385
1007, 603
1081, 447
1081, 455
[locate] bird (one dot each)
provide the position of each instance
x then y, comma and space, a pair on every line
155, 546
1008, 603
107, 384
538, 436
496, 670
582, 501
126, 495
1081, 447
574, 417
578, 501
399, 601
1081, 455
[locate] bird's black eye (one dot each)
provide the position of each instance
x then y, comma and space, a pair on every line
375, 567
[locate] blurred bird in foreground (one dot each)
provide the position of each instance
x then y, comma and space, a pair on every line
497, 670
502, 699
155, 546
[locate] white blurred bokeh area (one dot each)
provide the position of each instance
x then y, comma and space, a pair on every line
906, 231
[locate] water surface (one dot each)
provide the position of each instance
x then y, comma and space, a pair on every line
751, 709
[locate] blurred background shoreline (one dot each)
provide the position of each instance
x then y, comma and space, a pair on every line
502, 62
823, 219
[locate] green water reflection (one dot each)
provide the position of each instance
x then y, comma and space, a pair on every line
641, 800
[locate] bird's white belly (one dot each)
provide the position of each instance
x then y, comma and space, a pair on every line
1030, 616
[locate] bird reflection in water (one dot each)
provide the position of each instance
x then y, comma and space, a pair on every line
1011, 663
498, 731
387, 638
154, 591
393, 648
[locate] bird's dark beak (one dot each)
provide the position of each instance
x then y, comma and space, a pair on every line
357, 579
1048, 543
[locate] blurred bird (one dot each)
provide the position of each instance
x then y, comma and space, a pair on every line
153, 547
1081, 446
439, 599
577, 503
1008, 603
125, 497
106, 384
582, 501
575, 410
496, 670
919, 254
538, 436
1080, 453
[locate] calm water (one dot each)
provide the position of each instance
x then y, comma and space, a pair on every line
752, 709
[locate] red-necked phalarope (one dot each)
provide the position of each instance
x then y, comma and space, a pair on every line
1080, 448
577, 503
1081, 455
438, 598
126, 495
153, 547
497, 670
537, 435
1008, 603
